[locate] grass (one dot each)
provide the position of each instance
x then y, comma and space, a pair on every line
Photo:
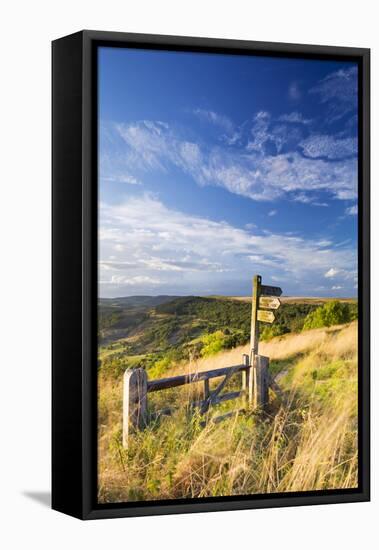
307, 441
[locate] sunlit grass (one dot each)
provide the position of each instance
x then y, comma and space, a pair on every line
306, 441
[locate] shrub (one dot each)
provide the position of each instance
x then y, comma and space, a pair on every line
353, 311
331, 313
234, 339
160, 367
213, 343
113, 367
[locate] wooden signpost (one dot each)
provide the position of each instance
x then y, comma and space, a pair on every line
264, 299
265, 316
268, 302
270, 290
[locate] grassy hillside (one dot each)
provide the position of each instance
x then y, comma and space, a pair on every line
306, 441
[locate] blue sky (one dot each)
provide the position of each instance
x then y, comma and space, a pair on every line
213, 168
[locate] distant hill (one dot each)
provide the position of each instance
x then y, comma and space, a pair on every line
313, 300
136, 301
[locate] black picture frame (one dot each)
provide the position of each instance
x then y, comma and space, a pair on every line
74, 273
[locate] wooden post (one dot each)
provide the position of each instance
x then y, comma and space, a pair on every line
260, 381
134, 402
245, 377
254, 335
251, 380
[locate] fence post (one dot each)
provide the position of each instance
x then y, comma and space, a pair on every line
254, 334
134, 402
260, 381
245, 377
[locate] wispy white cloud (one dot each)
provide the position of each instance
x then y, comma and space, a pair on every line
294, 118
122, 178
149, 251
138, 280
217, 119
331, 273
272, 213
285, 136
266, 133
272, 177
339, 91
148, 143
249, 172
330, 147
347, 275
306, 198
260, 132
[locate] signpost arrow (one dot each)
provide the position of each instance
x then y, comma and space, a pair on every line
270, 290
269, 302
265, 316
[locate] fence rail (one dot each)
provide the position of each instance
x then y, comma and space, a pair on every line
175, 381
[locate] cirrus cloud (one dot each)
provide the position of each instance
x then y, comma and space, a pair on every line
339, 91
250, 173
330, 147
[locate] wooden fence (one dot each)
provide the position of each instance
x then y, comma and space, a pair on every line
254, 369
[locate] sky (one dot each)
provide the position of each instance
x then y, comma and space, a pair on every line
214, 168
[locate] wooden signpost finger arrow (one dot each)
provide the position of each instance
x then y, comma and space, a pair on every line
270, 290
269, 302
265, 316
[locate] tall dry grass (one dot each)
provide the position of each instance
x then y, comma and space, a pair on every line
308, 441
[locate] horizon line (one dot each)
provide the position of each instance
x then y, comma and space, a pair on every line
218, 295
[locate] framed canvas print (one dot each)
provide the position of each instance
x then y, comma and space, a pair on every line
210, 275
